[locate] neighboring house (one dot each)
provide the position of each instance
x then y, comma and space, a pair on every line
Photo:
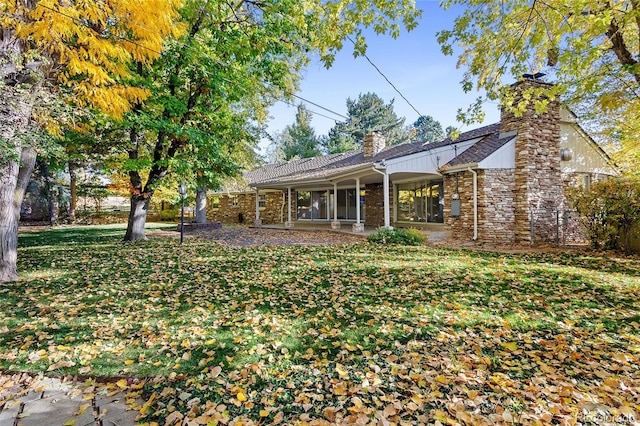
503, 183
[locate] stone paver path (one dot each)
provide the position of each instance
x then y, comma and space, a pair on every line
40, 401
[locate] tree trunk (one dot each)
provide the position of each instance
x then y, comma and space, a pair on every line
13, 184
137, 218
201, 205
50, 191
8, 224
73, 190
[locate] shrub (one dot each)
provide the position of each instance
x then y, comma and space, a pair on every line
609, 210
409, 237
169, 215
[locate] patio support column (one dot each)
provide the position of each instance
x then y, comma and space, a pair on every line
358, 227
385, 188
289, 223
257, 222
335, 224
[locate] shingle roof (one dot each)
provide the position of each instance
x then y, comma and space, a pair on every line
480, 150
328, 165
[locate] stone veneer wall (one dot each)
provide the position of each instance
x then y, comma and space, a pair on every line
538, 182
496, 216
228, 213
374, 142
496, 213
374, 199
461, 226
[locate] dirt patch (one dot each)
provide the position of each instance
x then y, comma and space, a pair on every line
244, 236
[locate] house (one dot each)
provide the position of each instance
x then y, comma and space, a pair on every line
502, 183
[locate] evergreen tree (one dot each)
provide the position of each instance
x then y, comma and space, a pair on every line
428, 129
366, 114
300, 138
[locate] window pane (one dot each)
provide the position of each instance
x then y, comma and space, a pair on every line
303, 203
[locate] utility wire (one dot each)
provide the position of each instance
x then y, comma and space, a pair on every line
310, 110
79, 21
320, 106
387, 79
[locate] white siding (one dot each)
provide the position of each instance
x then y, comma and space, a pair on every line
502, 158
586, 156
427, 161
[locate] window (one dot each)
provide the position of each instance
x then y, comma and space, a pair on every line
312, 205
234, 200
215, 202
262, 201
420, 201
586, 182
303, 205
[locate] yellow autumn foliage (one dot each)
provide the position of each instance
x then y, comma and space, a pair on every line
92, 44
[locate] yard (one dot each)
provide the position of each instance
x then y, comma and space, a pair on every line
341, 333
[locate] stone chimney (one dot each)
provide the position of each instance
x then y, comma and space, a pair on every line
538, 180
373, 143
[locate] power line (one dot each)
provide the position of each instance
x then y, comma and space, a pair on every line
320, 106
310, 110
84, 24
387, 79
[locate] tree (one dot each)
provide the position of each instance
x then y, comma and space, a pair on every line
81, 49
298, 140
233, 61
366, 114
428, 129
589, 48
450, 132
609, 210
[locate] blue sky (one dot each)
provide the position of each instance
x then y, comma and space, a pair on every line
413, 63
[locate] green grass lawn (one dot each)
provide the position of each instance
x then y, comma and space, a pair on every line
343, 333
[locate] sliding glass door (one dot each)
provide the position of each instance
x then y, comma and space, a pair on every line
319, 205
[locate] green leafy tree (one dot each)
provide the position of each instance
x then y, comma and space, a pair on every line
590, 49
72, 51
609, 210
232, 62
428, 129
366, 114
298, 140
337, 142
451, 132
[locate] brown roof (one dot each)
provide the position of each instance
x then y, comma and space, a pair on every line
328, 165
480, 150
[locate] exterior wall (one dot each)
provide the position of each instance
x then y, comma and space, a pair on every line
585, 157
228, 213
461, 226
374, 198
496, 209
537, 175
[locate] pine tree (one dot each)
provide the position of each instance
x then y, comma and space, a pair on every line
366, 114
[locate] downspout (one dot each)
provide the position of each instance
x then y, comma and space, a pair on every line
475, 203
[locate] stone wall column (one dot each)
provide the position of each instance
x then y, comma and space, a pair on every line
538, 180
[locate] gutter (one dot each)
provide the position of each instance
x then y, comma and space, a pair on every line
475, 203
459, 168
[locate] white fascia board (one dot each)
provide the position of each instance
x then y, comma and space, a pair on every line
502, 158
459, 168
324, 180
434, 157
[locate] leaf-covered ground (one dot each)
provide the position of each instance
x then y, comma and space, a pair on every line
353, 333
